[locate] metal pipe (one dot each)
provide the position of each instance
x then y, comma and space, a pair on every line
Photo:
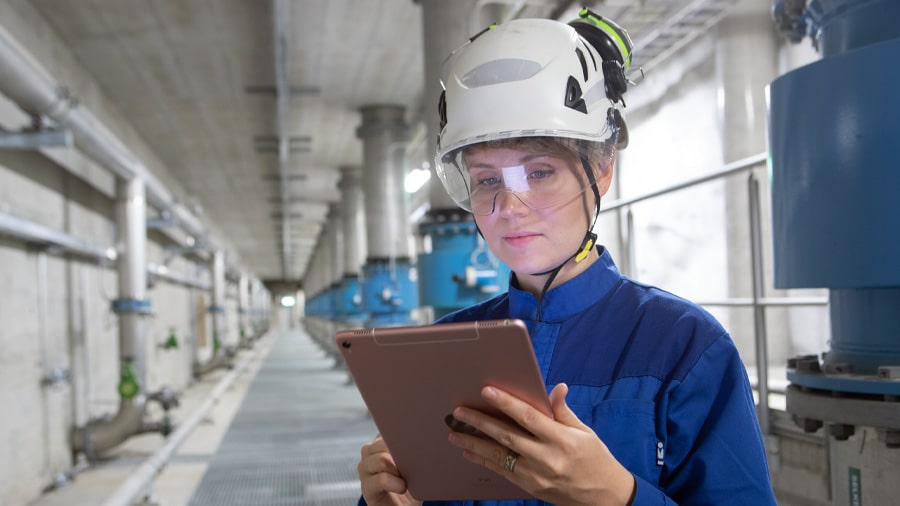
39, 234
46, 366
759, 312
99, 436
766, 302
61, 242
729, 169
129, 491
280, 23
28, 84
163, 272
243, 307
131, 219
216, 310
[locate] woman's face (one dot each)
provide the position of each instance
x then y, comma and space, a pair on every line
534, 239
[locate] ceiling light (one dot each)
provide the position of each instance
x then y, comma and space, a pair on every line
416, 179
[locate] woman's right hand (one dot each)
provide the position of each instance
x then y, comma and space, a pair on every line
379, 477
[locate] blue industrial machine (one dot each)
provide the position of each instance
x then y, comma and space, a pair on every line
351, 308
834, 127
460, 270
389, 291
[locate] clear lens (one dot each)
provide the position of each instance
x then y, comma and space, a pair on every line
546, 173
539, 184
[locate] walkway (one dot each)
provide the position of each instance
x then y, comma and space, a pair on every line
287, 433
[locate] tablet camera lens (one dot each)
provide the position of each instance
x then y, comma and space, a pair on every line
346, 345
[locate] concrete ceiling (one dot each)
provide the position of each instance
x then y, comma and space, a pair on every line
197, 80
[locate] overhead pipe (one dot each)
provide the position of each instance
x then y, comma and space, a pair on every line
282, 95
55, 241
36, 233
163, 272
26, 83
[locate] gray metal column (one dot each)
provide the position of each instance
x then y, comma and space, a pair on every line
216, 311
389, 287
354, 253
746, 30
244, 309
445, 26
458, 270
217, 307
336, 273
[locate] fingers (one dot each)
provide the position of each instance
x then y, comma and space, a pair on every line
524, 414
378, 474
561, 411
487, 453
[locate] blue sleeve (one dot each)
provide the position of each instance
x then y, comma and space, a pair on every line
647, 494
715, 452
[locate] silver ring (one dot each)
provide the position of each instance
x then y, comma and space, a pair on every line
509, 462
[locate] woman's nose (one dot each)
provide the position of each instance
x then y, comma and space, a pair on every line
510, 203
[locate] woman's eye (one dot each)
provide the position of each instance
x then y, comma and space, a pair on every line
488, 181
540, 173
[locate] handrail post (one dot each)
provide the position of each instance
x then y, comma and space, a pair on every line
759, 311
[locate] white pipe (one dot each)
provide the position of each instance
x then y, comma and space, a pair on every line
129, 491
36, 233
28, 84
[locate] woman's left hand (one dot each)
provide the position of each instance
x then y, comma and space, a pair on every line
559, 459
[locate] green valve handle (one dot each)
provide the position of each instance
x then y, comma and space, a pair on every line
171, 342
128, 384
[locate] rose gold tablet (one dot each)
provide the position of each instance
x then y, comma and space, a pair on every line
411, 378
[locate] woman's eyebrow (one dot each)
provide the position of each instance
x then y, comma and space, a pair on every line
523, 159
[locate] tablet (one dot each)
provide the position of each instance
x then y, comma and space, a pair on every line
411, 379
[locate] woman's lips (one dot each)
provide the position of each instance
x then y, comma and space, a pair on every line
520, 238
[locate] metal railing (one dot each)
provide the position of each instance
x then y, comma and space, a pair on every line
758, 302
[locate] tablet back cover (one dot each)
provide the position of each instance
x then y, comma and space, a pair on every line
411, 379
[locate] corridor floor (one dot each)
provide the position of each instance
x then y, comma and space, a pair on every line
288, 432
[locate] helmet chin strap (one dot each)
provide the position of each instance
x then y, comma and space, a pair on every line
587, 244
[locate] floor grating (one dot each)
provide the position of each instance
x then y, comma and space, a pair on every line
295, 439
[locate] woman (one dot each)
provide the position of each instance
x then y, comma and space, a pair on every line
651, 403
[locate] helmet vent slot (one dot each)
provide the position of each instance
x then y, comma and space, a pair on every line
584, 69
574, 99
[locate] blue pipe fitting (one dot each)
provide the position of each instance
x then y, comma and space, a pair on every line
216, 309
389, 292
139, 306
351, 299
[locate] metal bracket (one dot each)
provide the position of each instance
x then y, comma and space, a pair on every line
31, 140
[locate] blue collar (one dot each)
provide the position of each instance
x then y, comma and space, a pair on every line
571, 297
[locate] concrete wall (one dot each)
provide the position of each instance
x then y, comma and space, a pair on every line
55, 311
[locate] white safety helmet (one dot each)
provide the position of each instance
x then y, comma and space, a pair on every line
532, 78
